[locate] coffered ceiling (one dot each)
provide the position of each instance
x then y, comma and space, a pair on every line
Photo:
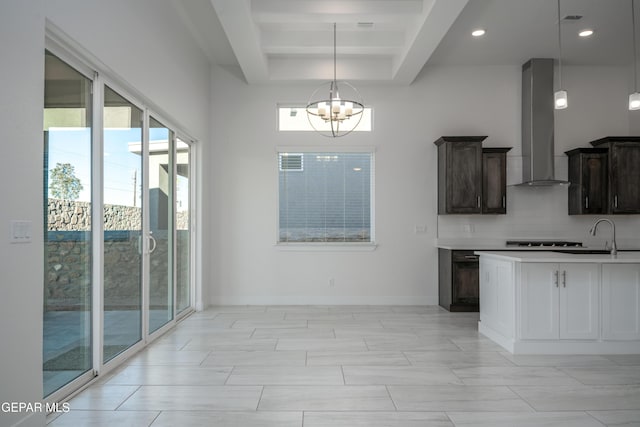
390, 41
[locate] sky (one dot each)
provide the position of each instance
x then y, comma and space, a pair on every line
73, 145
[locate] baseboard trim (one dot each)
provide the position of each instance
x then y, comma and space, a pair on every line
32, 420
322, 300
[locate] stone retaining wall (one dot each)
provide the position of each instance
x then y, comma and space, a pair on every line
68, 257
71, 215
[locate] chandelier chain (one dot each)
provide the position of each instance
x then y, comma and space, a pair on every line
635, 52
334, 52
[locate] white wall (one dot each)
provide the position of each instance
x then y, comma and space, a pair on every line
147, 45
22, 86
485, 100
144, 43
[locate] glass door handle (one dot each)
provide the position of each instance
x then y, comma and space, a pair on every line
153, 240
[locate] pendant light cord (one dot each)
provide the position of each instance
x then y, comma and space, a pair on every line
560, 49
635, 59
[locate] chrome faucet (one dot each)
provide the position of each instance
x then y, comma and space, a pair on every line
592, 231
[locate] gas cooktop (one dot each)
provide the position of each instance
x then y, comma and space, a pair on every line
544, 243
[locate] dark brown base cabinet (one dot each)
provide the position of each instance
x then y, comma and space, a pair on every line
471, 179
605, 179
458, 277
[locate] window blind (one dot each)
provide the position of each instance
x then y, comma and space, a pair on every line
329, 200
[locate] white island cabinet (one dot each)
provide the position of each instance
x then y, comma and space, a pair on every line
621, 302
557, 303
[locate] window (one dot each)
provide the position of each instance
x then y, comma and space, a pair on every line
328, 200
68, 126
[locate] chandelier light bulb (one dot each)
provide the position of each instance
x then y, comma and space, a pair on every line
348, 108
322, 109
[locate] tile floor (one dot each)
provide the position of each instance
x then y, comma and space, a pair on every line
348, 366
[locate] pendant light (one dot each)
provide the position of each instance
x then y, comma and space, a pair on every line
634, 98
560, 99
335, 116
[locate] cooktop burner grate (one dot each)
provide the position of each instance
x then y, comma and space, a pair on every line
544, 243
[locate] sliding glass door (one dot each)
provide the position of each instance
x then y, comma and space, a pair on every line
183, 225
122, 222
67, 314
160, 187
117, 220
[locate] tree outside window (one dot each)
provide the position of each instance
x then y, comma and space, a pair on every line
63, 183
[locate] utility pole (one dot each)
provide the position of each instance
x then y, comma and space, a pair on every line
135, 187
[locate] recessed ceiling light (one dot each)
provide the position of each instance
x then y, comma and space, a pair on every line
585, 33
478, 33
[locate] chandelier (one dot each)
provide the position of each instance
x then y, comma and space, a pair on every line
335, 116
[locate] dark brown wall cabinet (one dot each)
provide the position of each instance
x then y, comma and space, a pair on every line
588, 174
604, 179
458, 280
471, 180
494, 180
624, 173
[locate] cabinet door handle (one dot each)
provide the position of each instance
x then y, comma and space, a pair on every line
478, 197
556, 281
471, 257
564, 278
504, 201
615, 201
586, 202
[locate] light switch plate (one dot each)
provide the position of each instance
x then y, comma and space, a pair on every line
20, 232
420, 229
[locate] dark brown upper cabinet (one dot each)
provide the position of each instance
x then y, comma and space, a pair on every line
589, 177
494, 180
470, 180
624, 173
460, 174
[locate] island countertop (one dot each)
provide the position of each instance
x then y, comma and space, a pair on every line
548, 256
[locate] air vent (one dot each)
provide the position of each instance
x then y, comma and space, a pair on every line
572, 18
291, 162
365, 24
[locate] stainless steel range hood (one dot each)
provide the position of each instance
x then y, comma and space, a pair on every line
537, 124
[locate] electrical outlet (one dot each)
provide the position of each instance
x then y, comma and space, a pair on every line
468, 228
332, 282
